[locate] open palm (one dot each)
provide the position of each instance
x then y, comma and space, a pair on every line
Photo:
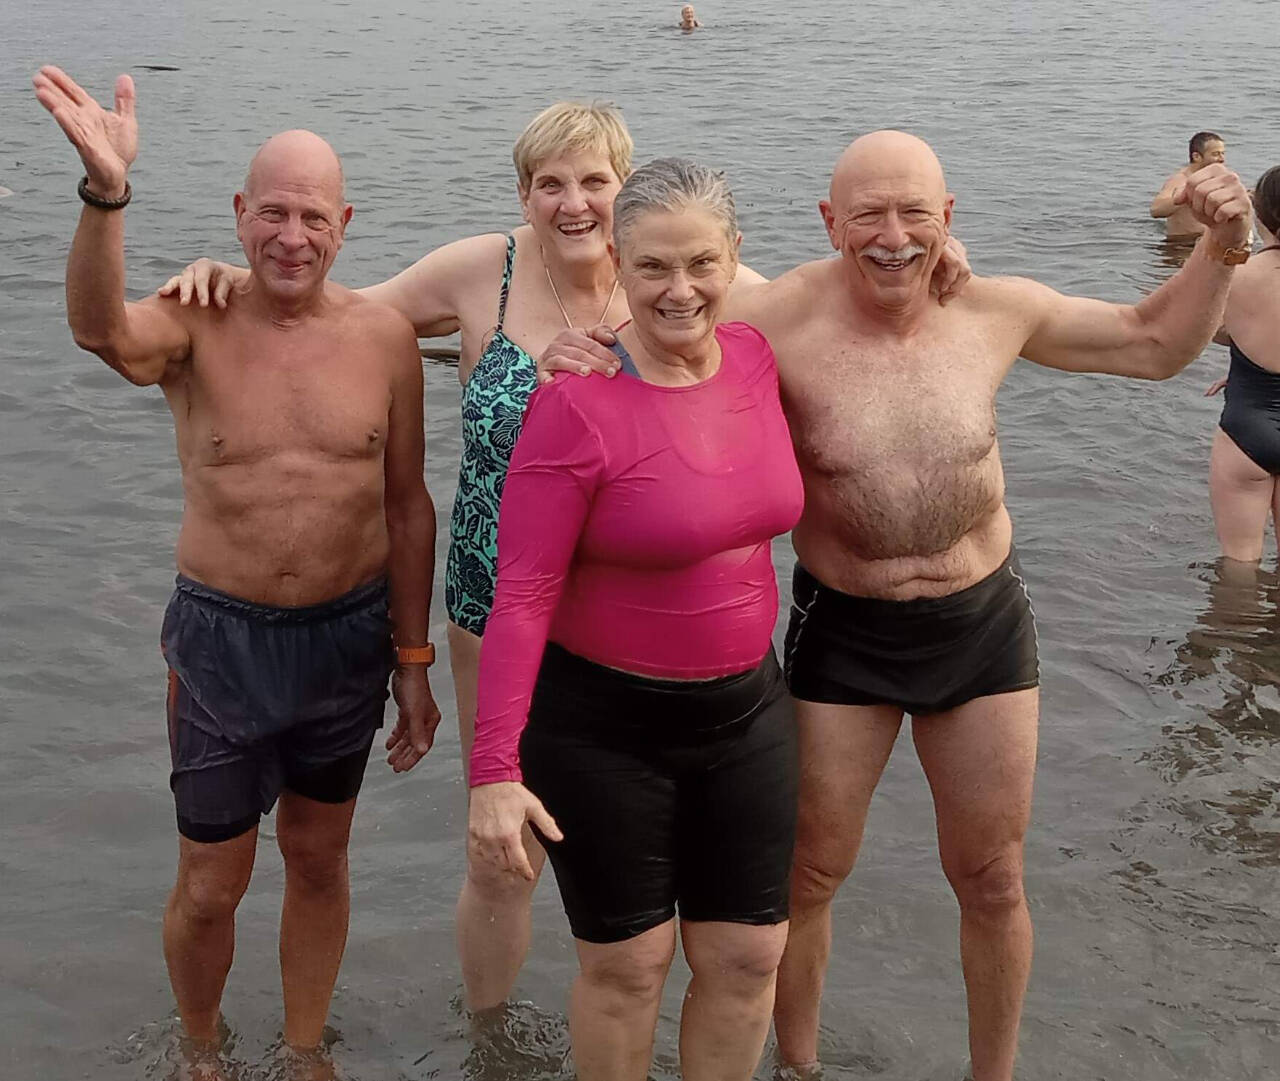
107, 141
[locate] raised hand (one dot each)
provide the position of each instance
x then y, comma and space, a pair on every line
1219, 202
106, 141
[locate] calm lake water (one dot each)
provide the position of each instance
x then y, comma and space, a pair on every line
1155, 848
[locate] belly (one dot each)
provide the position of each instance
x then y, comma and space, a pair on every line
286, 530
897, 512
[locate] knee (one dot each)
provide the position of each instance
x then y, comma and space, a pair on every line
815, 880
621, 983
746, 966
497, 888
206, 900
992, 888
315, 867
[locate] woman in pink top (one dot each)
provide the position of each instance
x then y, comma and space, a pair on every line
627, 676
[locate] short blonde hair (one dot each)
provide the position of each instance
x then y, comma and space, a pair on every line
573, 125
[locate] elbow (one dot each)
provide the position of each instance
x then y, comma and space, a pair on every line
106, 351
1165, 363
411, 515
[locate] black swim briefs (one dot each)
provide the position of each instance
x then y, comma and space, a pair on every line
923, 656
262, 699
669, 794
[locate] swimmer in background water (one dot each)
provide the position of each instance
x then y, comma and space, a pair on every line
1205, 148
688, 19
1245, 460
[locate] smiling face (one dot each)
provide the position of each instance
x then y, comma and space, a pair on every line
889, 216
1214, 152
676, 267
291, 217
569, 203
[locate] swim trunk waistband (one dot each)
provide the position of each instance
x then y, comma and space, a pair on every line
354, 600
968, 599
925, 655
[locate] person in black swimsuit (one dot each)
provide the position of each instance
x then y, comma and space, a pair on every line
1245, 461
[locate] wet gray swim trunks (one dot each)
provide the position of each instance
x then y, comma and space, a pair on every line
262, 699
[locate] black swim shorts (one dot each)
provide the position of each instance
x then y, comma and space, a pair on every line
262, 699
669, 794
923, 656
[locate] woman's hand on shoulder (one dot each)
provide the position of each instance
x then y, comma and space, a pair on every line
207, 280
495, 827
581, 352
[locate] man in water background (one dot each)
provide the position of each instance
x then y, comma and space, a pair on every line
307, 541
1205, 148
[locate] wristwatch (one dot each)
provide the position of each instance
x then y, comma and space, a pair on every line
425, 655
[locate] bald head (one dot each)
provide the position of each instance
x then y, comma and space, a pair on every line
887, 158
296, 157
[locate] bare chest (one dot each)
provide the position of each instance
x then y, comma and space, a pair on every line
248, 398
861, 409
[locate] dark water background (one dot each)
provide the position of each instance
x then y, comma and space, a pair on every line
1153, 857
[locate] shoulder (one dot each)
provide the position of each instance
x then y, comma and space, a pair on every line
461, 266
746, 348
370, 316
1004, 295
745, 341
570, 411
765, 303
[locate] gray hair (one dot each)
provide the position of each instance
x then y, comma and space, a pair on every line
673, 184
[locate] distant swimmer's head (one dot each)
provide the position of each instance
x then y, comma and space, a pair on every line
688, 18
675, 249
292, 215
570, 162
889, 213
1266, 201
1206, 148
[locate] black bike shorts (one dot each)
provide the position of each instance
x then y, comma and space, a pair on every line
670, 794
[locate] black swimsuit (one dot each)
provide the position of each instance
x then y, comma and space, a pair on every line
1251, 415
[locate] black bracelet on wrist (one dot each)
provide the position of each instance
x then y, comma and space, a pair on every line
82, 189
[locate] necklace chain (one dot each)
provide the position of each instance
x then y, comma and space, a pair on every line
560, 303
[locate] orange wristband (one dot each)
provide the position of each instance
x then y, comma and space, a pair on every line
416, 654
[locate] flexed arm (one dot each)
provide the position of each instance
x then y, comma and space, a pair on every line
1161, 334
137, 340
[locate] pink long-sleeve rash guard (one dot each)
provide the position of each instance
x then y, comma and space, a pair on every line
635, 532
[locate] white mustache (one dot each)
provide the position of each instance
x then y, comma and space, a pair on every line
901, 255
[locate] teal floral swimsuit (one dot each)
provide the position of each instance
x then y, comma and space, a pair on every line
493, 402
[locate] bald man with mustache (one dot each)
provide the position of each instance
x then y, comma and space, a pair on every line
305, 554
908, 596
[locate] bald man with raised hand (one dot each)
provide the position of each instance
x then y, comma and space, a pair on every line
305, 554
908, 595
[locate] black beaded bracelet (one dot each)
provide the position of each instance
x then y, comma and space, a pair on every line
82, 189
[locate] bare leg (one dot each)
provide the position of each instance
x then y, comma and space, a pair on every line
317, 903
494, 910
726, 1008
613, 1007
200, 929
980, 760
1242, 493
843, 751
